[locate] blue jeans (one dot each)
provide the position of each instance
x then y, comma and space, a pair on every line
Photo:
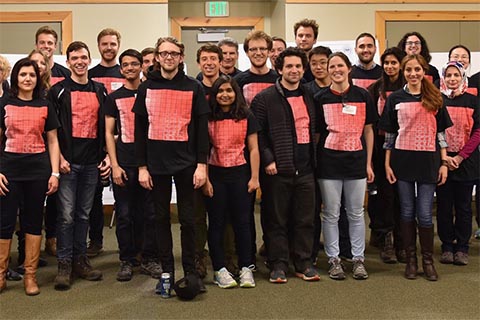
74, 203
419, 205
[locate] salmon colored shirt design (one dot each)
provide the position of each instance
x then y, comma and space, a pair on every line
169, 114
127, 118
54, 80
250, 90
111, 84
418, 127
345, 130
228, 142
363, 83
459, 134
24, 129
381, 102
85, 107
302, 119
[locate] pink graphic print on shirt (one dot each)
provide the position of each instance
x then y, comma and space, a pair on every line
345, 130
381, 102
24, 129
85, 107
127, 118
250, 90
459, 134
54, 80
418, 127
228, 142
169, 114
110, 83
302, 119
473, 91
363, 83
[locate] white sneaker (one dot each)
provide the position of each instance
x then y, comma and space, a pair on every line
246, 277
224, 279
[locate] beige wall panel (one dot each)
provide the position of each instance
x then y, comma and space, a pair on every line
277, 27
346, 21
140, 25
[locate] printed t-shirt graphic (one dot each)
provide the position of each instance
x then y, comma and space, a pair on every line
25, 126
109, 76
459, 134
302, 119
85, 107
58, 73
127, 118
228, 142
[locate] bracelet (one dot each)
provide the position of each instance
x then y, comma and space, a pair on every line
444, 163
56, 175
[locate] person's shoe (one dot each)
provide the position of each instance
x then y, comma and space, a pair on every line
224, 279
201, 261
309, 274
201, 285
94, 249
387, 254
135, 262
51, 246
151, 268
335, 271
126, 272
401, 255
13, 275
477, 234
246, 278
82, 268
460, 259
63, 280
446, 257
359, 271
278, 276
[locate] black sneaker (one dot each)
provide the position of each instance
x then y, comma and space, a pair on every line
126, 272
151, 268
12, 275
278, 276
309, 274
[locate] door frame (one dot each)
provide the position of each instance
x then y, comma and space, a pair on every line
177, 23
381, 18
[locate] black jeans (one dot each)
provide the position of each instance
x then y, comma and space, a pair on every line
51, 217
132, 202
161, 193
289, 199
454, 227
230, 202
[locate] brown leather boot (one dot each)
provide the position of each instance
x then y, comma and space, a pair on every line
409, 238
4, 258
51, 246
388, 253
426, 243
32, 255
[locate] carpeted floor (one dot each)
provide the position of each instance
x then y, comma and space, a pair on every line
385, 295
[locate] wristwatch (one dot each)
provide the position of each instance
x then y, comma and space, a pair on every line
56, 175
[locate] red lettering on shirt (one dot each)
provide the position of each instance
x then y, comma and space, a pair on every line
345, 130
302, 119
127, 119
85, 107
459, 134
250, 90
228, 142
418, 127
169, 114
24, 128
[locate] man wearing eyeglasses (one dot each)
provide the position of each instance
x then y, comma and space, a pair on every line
132, 201
257, 45
171, 141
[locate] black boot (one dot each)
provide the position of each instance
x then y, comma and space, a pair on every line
409, 237
426, 243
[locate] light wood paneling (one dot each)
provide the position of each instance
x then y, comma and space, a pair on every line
80, 1
382, 1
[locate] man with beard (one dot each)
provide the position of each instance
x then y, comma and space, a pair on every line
306, 33
366, 71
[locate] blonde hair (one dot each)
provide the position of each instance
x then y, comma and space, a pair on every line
48, 73
5, 67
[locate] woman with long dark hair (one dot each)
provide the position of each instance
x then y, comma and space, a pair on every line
28, 171
233, 169
385, 202
416, 157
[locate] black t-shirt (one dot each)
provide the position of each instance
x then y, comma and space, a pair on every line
119, 105
341, 119
252, 83
58, 73
363, 78
416, 154
464, 111
313, 87
111, 77
229, 156
24, 155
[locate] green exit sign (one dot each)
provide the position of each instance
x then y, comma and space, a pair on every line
216, 9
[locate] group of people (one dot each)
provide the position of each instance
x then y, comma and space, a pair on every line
314, 133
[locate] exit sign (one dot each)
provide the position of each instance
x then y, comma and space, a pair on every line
216, 9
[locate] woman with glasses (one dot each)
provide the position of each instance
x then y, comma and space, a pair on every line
414, 122
345, 116
415, 43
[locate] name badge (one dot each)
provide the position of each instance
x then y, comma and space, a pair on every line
397, 106
349, 109
116, 85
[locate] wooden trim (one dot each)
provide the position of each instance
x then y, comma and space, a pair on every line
177, 24
381, 1
381, 18
64, 17
80, 1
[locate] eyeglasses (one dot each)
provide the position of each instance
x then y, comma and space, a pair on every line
413, 43
133, 64
172, 54
262, 49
